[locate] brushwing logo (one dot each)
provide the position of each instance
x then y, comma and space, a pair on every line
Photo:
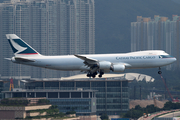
17, 46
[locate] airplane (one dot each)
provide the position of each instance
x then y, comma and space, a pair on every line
92, 64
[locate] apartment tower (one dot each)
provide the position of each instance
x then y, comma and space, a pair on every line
157, 34
52, 27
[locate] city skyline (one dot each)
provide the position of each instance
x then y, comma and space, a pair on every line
52, 27
159, 33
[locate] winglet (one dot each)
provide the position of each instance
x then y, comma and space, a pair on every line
20, 47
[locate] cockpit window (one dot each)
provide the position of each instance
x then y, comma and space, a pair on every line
165, 56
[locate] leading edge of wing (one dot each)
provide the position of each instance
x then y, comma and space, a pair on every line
86, 59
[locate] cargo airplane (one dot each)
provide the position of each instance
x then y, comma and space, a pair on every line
93, 64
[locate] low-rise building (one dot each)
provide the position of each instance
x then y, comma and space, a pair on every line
86, 96
81, 101
21, 112
2, 88
112, 96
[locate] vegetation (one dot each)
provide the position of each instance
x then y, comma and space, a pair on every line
53, 111
43, 102
59, 115
9, 102
70, 112
138, 111
104, 117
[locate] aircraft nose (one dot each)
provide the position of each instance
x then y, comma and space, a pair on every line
173, 59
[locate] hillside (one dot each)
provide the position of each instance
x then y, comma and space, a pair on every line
113, 19
144, 103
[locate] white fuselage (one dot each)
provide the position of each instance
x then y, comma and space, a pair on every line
132, 60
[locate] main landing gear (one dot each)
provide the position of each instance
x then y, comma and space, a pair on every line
94, 74
159, 72
100, 74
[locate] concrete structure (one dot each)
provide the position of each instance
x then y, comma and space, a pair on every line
111, 91
32, 101
52, 27
12, 112
91, 117
2, 88
33, 109
81, 101
155, 34
112, 95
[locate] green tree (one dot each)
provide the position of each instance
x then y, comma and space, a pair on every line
70, 112
104, 116
134, 113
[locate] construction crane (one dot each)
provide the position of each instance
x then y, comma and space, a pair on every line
11, 84
173, 100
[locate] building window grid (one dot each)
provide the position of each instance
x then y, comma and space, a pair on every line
102, 95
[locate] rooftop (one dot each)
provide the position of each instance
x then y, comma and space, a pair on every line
107, 77
81, 77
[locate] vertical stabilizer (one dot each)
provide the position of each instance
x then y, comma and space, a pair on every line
20, 47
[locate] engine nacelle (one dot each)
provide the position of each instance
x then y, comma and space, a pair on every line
104, 65
118, 68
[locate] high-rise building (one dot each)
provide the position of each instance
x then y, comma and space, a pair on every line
157, 34
52, 27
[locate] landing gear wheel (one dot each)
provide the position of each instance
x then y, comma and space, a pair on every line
159, 72
88, 75
100, 74
93, 76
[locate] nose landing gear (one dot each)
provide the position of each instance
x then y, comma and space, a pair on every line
159, 72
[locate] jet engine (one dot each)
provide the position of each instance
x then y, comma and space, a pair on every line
118, 68
105, 65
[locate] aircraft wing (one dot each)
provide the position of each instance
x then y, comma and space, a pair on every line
87, 61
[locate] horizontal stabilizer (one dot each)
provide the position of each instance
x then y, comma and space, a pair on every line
23, 59
7, 58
